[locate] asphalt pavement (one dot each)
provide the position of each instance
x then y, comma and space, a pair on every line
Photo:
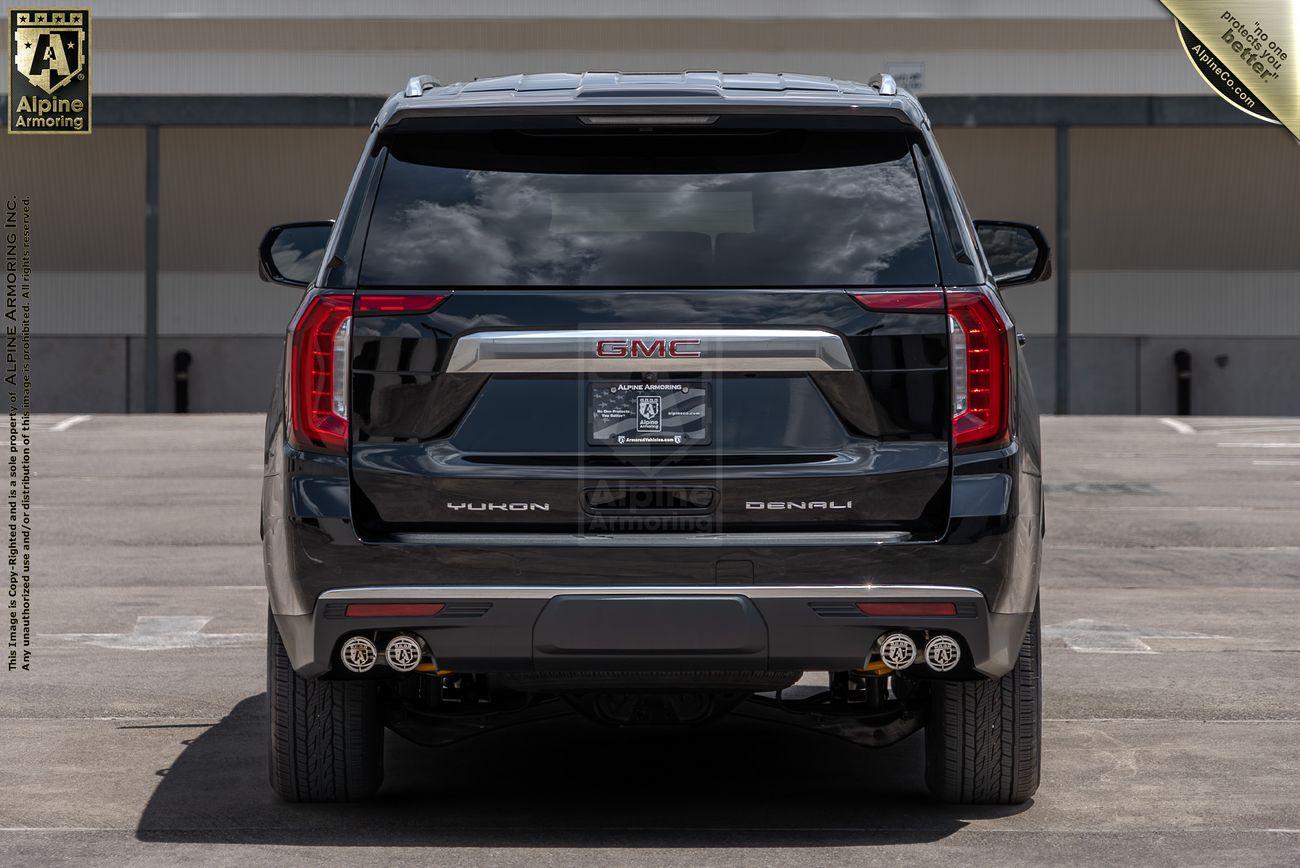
1171, 605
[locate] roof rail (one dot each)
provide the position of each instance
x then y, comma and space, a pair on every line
418, 84
884, 84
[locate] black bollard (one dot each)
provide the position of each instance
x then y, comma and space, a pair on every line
181, 376
1183, 378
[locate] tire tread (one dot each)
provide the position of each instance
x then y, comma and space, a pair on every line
984, 738
326, 737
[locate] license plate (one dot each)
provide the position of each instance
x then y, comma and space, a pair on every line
648, 414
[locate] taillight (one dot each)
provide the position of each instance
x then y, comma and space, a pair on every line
902, 301
318, 375
981, 371
375, 304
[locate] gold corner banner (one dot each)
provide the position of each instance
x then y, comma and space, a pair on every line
1245, 50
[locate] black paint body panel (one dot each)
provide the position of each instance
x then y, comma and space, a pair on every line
877, 435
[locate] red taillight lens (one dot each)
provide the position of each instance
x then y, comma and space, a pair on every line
373, 304
318, 375
902, 301
981, 373
393, 610
907, 610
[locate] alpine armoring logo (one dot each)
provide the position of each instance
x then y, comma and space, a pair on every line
655, 348
49, 76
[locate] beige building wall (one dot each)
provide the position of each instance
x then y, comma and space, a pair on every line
1027, 52
1175, 231
1009, 173
220, 190
87, 227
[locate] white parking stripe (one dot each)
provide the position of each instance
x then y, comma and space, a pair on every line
163, 633
67, 423
1179, 426
1267, 429
1278, 445
1284, 461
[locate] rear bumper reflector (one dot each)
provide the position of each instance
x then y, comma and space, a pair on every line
393, 610
907, 610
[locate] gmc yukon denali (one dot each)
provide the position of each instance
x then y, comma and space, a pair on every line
657, 398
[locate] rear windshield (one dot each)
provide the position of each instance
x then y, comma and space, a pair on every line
751, 208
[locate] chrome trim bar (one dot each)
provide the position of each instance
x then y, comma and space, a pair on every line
664, 349
657, 540
438, 593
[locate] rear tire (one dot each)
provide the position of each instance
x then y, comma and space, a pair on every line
983, 741
326, 737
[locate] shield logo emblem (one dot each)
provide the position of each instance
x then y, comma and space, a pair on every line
649, 412
49, 55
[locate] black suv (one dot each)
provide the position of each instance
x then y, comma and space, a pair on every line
653, 394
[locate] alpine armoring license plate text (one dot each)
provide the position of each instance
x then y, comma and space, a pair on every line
648, 414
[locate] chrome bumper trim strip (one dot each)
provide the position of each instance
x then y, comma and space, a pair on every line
657, 540
437, 593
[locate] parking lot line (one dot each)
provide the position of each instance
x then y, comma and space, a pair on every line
65, 424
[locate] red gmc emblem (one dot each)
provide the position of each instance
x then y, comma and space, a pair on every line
658, 348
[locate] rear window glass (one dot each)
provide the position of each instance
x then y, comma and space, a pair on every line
750, 208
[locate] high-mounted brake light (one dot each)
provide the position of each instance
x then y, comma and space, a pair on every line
647, 120
981, 371
318, 375
373, 304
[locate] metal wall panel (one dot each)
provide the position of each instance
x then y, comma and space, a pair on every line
1185, 302
1162, 71
223, 303
1125, 10
87, 197
223, 187
1009, 173
87, 302
1185, 198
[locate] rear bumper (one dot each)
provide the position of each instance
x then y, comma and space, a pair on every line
666, 628
988, 561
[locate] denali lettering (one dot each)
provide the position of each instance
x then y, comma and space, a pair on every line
797, 504
659, 348
500, 507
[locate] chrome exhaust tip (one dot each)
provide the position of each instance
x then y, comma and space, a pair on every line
897, 650
359, 654
403, 653
942, 653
